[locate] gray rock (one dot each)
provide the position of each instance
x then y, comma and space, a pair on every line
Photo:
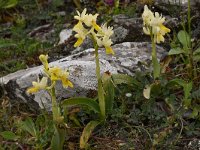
120, 34
179, 2
82, 72
65, 35
130, 29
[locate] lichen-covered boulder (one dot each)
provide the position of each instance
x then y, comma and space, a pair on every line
82, 73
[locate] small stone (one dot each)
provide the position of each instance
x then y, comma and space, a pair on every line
128, 94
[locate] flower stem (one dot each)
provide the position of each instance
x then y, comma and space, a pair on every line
156, 65
191, 70
55, 108
100, 86
189, 22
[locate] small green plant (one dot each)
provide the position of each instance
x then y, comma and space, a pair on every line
33, 132
188, 52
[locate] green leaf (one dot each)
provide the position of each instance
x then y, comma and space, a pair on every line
8, 135
187, 88
82, 101
196, 58
177, 81
195, 112
196, 94
6, 45
87, 132
58, 139
176, 51
29, 126
196, 54
156, 68
2, 3
183, 37
10, 4
197, 51
123, 78
101, 98
109, 91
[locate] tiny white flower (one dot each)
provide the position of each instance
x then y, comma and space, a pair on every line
128, 94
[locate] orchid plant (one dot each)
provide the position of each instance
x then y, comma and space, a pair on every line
153, 26
87, 27
53, 74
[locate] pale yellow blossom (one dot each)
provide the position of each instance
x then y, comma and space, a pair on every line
57, 73
103, 38
147, 15
105, 31
88, 19
43, 59
40, 85
81, 33
153, 24
81, 16
100, 34
157, 20
106, 42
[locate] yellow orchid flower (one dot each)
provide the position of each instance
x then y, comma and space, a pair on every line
81, 33
154, 24
106, 42
109, 50
146, 30
81, 16
57, 73
40, 85
88, 19
103, 38
105, 31
147, 15
164, 30
100, 34
66, 82
43, 59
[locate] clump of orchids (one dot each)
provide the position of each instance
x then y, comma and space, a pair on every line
153, 26
87, 27
53, 74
